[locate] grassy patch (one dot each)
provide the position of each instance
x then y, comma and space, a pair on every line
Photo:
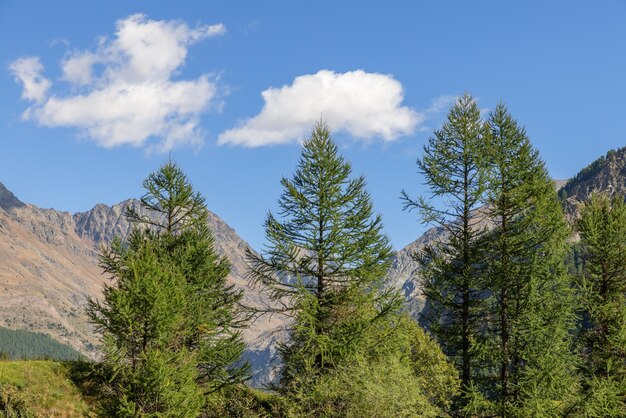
43, 388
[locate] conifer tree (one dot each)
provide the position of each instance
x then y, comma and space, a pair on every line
530, 291
325, 262
142, 320
451, 268
602, 229
177, 214
169, 321
351, 352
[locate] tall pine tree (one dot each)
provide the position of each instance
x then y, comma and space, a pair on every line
177, 216
451, 268
325, 259
169, 321
530, 292
602, 229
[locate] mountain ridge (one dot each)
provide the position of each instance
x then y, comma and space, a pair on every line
8, 199
49, 267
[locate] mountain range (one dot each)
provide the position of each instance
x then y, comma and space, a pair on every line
49, 270
49, 263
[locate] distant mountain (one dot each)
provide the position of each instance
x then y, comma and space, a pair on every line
49, 269
47, 273
606, 174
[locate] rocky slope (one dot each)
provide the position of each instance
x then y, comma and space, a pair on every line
49, 269
606, 174
405, 271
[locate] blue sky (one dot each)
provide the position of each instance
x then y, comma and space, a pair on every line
95, 95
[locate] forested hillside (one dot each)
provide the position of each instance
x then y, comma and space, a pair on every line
21, 344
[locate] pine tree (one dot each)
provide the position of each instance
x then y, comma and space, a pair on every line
602, 229
170, 205
170, 321
451, 268
142, 320
325, 261
530, 292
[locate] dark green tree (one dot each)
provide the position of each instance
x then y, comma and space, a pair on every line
532, 305
451, 267
169, 321
602, 229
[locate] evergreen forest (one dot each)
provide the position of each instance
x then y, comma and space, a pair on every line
21, 344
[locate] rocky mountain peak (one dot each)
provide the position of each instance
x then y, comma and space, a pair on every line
8, 200
606, 174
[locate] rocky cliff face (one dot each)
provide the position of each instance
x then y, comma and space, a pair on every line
8, 199
606, 174
405, 270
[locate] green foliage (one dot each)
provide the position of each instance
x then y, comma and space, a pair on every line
12, 403
350, 352
452, 167
531, 305
604, 397
169, 321
406, 374
384, 388
21, 344
243, 402
143, 320
164, 383
602, 284
437, 378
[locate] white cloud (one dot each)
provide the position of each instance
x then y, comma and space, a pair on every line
364, 105
77, 69
122, 93
27, 71
444, 102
